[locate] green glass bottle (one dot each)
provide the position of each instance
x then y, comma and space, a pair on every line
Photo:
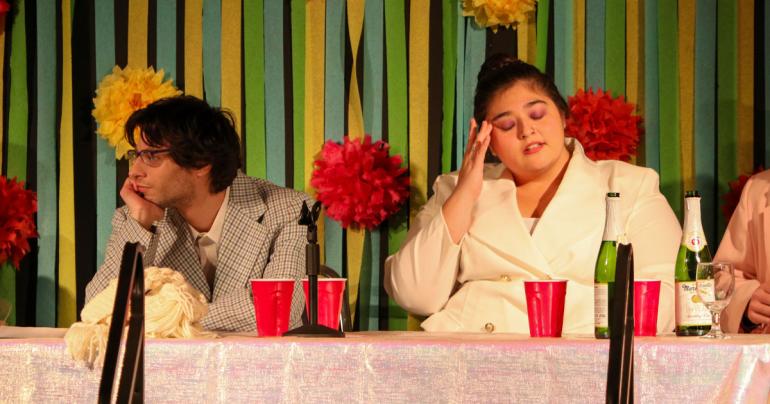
692, 317
604, 271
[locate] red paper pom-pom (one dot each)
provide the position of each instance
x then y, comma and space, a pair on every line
17, 222
731, 198
605, 127
358, 182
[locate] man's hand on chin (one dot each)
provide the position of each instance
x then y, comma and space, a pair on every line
142, 210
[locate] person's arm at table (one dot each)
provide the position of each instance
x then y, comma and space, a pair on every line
750, 301
132, 223
124, 230
422, 274
655, 235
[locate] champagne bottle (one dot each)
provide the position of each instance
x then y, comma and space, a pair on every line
604, 272
692, 317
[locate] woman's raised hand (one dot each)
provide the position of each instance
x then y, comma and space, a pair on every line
457, 208
472, 170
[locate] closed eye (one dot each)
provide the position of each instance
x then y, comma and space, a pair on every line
505, 125
537, 113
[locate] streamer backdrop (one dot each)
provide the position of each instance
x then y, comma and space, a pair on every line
299, 72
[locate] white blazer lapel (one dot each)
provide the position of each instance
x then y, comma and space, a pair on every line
574, 219
498, 227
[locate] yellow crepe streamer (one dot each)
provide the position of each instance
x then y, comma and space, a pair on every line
526, 43
231, 59
355, 25
580, 44
315, 14
193, 48
687, 89
419, 29
67, 310
137, 33
634, 58
355, 237
745, 86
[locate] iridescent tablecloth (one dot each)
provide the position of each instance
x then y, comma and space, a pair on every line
400, 367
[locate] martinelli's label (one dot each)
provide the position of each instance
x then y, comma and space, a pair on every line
601, 300
695, 242
690, 311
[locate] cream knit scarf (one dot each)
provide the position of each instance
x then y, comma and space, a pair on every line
172, 309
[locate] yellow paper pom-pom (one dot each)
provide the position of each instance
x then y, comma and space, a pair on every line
121, 93
494, 13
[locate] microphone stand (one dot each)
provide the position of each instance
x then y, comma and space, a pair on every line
309, 217
129, 300
620, 369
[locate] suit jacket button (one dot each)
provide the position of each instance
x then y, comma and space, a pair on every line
505, 278
489, 327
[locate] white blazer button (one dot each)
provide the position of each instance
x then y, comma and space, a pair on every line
489, 327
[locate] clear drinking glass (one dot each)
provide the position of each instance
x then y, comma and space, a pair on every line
715, 283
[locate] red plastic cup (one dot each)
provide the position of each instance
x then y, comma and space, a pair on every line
272, 305
545, 306
330, 291
646, 299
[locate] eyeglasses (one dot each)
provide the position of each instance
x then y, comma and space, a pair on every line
149, 157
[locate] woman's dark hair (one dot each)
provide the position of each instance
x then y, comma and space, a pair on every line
196, 134
501, 71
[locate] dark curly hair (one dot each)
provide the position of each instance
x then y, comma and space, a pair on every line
196, 134
501, 71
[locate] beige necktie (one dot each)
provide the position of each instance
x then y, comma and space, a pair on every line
204, 244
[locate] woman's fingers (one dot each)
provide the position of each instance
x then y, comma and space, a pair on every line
472, 135
481, 143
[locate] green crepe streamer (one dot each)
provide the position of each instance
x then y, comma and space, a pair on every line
17, 134
395, 50
47, 208
298, 90
475, 52
670, 147
564, 38
449, 34
369, 289
615, 48
104, 18
334, 115
212, 51
543, 12
594, 44
275, 114
727, 98
461, 126
166, 34
254, 74
651, 108
705, 105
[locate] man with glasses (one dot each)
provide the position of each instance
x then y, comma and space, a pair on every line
188, 203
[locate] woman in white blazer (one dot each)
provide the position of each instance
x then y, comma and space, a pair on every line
539, 213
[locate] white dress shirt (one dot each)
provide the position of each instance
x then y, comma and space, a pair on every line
208, 243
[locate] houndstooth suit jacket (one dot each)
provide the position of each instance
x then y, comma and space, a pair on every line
260, 239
